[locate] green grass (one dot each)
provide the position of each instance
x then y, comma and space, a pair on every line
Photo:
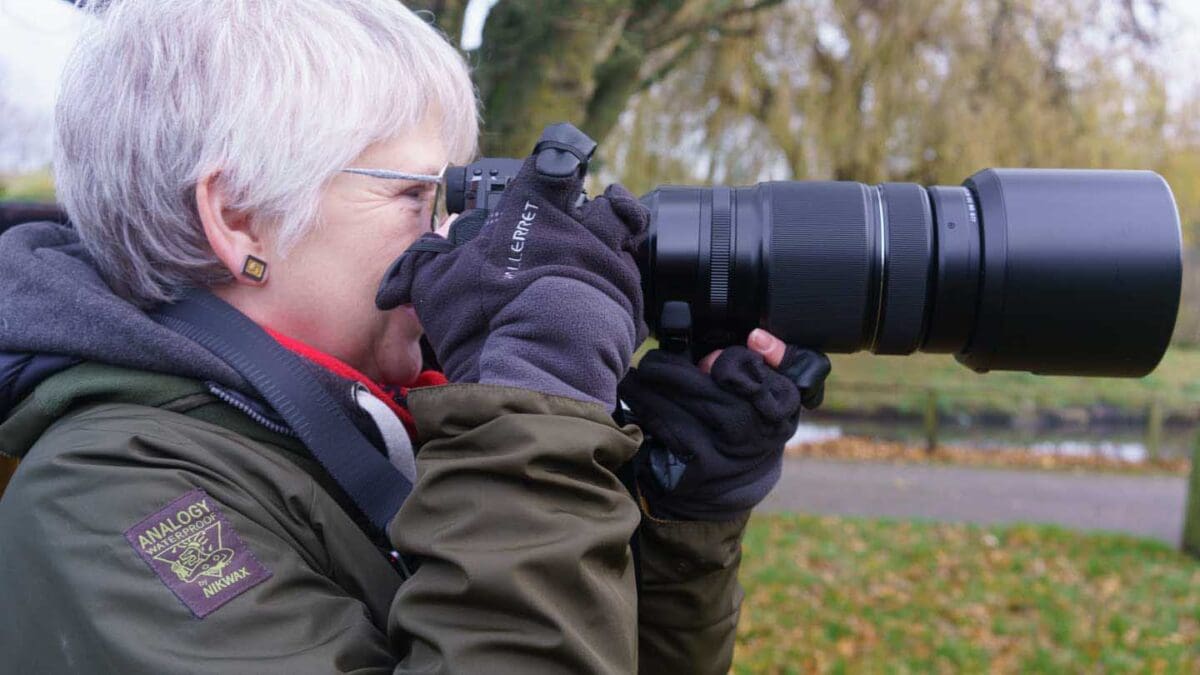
847, 595
31, 187
869, 383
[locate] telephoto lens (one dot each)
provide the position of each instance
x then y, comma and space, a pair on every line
1051, 271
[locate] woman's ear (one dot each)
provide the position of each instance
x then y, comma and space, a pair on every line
230, 233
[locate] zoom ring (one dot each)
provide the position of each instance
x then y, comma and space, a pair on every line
909, 256
819, 264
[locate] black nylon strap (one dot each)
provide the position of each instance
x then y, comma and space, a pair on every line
432, 245
283, 381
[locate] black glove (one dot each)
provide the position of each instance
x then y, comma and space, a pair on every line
716, 441
547, 297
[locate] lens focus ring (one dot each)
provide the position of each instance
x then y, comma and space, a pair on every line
718, 297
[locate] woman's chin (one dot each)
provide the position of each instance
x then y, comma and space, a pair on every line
398, 351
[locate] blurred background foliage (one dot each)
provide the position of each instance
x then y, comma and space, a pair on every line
871, 90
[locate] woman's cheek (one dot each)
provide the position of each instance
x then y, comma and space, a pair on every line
408, 231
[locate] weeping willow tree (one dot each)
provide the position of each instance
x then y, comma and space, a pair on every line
922, 90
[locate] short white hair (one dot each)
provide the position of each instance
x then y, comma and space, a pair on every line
277, 95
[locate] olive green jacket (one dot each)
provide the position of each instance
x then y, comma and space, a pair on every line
152, 528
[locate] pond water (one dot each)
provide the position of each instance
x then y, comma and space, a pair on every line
1125, 442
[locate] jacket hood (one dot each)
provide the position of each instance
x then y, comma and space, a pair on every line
56, 311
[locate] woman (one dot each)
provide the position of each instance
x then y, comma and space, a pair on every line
169, 514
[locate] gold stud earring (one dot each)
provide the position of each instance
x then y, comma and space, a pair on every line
254, 268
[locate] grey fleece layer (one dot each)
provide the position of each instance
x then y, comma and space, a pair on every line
52, 301
54, 304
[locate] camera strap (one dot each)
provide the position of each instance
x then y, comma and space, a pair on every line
285, 382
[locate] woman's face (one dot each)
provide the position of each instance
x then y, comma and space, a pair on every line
323, 292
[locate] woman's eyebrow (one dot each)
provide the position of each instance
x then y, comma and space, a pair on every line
427, 176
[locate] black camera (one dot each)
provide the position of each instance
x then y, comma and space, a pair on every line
1052, 271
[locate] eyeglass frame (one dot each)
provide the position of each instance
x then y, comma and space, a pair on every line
432, 178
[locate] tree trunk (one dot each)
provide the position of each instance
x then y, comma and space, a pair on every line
537, 65
578, 61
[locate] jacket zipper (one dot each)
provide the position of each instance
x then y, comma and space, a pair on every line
250, 412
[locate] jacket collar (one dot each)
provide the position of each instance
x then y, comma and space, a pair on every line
393, 396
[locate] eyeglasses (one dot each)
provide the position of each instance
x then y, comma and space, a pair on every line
438, 212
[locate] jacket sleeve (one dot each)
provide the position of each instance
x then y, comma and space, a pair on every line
522, 531
521, 527
690, 596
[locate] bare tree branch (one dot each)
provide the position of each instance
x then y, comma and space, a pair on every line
1133, 24
670, 64
709, 22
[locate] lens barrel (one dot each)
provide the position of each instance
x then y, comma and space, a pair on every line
1049, 271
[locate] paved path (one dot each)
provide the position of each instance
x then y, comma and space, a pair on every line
1149, 506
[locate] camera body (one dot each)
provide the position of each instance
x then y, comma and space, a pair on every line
480, 184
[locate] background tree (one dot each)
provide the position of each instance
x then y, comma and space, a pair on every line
543, 61
924, 90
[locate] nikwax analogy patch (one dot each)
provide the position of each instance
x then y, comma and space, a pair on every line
194, 549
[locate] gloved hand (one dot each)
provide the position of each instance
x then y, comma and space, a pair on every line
716, 441
546, 297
